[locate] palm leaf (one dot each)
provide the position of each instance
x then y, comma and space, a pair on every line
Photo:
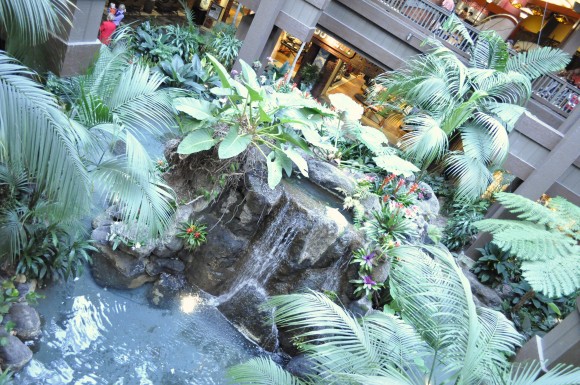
33, 21
472, 175
261, 371
490, 52
531, 374
145, 200
425, 141
538, 62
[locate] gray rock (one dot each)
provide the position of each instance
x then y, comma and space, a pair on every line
119, 270
482, 295
361, 307
15, 354
25, 288
429, 207
101, 234
157, 266
102, 219
330, 177
301, 366
138, 234
244, 311
165, 289
26, 321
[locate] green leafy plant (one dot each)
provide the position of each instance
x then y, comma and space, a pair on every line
194, 234
225, 46
310, 74
249, 116
544, 239
460, 116
193, 76
439, 338
391, 225
460, 229
531, 312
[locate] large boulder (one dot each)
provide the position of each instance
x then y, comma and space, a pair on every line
117, 269
26, 321
14, 354
165, 289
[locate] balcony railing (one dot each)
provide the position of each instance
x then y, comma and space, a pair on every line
556, 93
430, 16
549, 90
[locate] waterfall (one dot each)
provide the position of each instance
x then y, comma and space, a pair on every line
265, 252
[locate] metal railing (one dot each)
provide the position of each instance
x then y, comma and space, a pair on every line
430, 16
549, 90
556, 93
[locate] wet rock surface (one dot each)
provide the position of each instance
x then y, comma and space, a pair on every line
15, 354
26, 321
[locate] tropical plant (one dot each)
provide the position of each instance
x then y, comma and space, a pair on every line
531, 312
461, 115
310, 74
391, 224
440, 336
193, 233
251, 117
151, 43
544, 239
193, 76
53, 159
24, 24
460, 229
225, 47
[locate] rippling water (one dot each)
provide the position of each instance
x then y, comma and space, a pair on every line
96, 336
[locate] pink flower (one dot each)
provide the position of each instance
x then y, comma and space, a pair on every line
368, 282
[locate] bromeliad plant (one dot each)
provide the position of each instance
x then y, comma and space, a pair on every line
194, 234
248, 115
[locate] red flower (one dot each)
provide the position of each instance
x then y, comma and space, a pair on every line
413, 188
197, 235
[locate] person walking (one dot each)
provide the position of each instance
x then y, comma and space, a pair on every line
106, 29
119, 15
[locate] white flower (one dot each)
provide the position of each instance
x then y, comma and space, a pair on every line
137, 245
353, 111
262, 79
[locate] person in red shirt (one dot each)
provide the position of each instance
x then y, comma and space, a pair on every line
106, 30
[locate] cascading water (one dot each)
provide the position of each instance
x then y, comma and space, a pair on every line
266, 252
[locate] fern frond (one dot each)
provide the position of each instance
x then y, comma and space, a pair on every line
555, 277
570, 214
530, 242
529, 210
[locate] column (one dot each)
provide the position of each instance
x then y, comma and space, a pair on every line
262, 34
72, 51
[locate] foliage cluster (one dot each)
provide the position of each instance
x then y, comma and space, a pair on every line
544, 238
531, 312
459, 116
460, 229
193, 233
440, 337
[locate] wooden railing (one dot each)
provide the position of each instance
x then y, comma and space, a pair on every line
556, 93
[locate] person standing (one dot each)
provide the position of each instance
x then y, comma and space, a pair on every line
119, 15
112, 9
106, 29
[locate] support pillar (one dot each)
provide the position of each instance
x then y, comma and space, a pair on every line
73, 50
262, 34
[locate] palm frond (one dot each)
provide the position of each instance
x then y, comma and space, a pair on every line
426, 141
497, 137
145, 200
507, 113
36, 134
529, 374
537, 62
472, 175
31, 22
261, 371
454, 25
490, 52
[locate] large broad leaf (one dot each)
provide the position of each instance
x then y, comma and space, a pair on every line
196, 108
233, 144
251, 82
222, 72
298, 160
396, 165
196, 141
275, 166
374, 139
